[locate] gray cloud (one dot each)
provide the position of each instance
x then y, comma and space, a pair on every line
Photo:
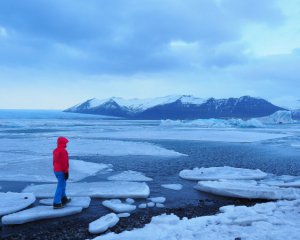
126, 37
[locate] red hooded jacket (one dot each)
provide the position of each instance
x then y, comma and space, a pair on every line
61, 156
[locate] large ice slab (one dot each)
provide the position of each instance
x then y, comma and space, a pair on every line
83, 202
12, 202
130, 176
39, 213
102, 224
273, 220
117, 206
216, 173
247, 189
109, 189
21, 167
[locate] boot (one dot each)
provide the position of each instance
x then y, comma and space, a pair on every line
65, 200
57, 205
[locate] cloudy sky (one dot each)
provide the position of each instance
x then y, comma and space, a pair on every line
56, 53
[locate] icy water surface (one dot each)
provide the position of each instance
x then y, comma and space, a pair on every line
32, 134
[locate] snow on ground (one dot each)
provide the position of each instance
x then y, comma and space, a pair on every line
19, 167
273, 220
117, 206
250, 189
216, 173
83, 202
108, 189
174, 186
83, 146
12, 202
39, 213
224, 135
102, 224
130, 176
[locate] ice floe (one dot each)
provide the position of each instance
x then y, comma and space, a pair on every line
26, 168
216, 173
157, 199
130, 176
142, 205
39, 213
11, 202
273, 220
83, 202
123, 215
130, 200
117, 206
282, 181
159, 205
102, 224
174, 186
250, 189
107, 189
150, 204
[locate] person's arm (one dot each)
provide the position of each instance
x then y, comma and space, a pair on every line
65, 163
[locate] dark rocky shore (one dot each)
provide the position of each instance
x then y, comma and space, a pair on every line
76, 227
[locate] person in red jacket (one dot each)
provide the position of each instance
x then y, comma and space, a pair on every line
61, 171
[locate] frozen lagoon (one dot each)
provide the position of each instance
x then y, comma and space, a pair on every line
159, 152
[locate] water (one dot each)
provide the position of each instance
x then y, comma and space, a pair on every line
273, 156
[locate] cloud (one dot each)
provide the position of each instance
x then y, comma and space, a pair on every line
127, 37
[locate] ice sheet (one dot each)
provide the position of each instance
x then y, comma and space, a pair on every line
83, 202
39, 213
216, 173
117, 206
102, 224
109, 189
250, 189
84, 146
130, 176
276, 221
12, 202
26, 168
221, 135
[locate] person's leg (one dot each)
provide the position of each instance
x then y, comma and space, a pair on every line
59, 189
63, 193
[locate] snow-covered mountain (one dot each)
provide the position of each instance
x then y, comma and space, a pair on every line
178, 107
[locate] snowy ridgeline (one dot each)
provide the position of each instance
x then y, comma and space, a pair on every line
279, 117
273, 220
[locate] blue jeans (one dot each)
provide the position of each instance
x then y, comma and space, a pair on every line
61, 187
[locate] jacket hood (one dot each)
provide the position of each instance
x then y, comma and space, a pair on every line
62, 142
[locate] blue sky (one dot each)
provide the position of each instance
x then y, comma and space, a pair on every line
54, 54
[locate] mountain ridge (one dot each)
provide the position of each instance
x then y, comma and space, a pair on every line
177, 107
